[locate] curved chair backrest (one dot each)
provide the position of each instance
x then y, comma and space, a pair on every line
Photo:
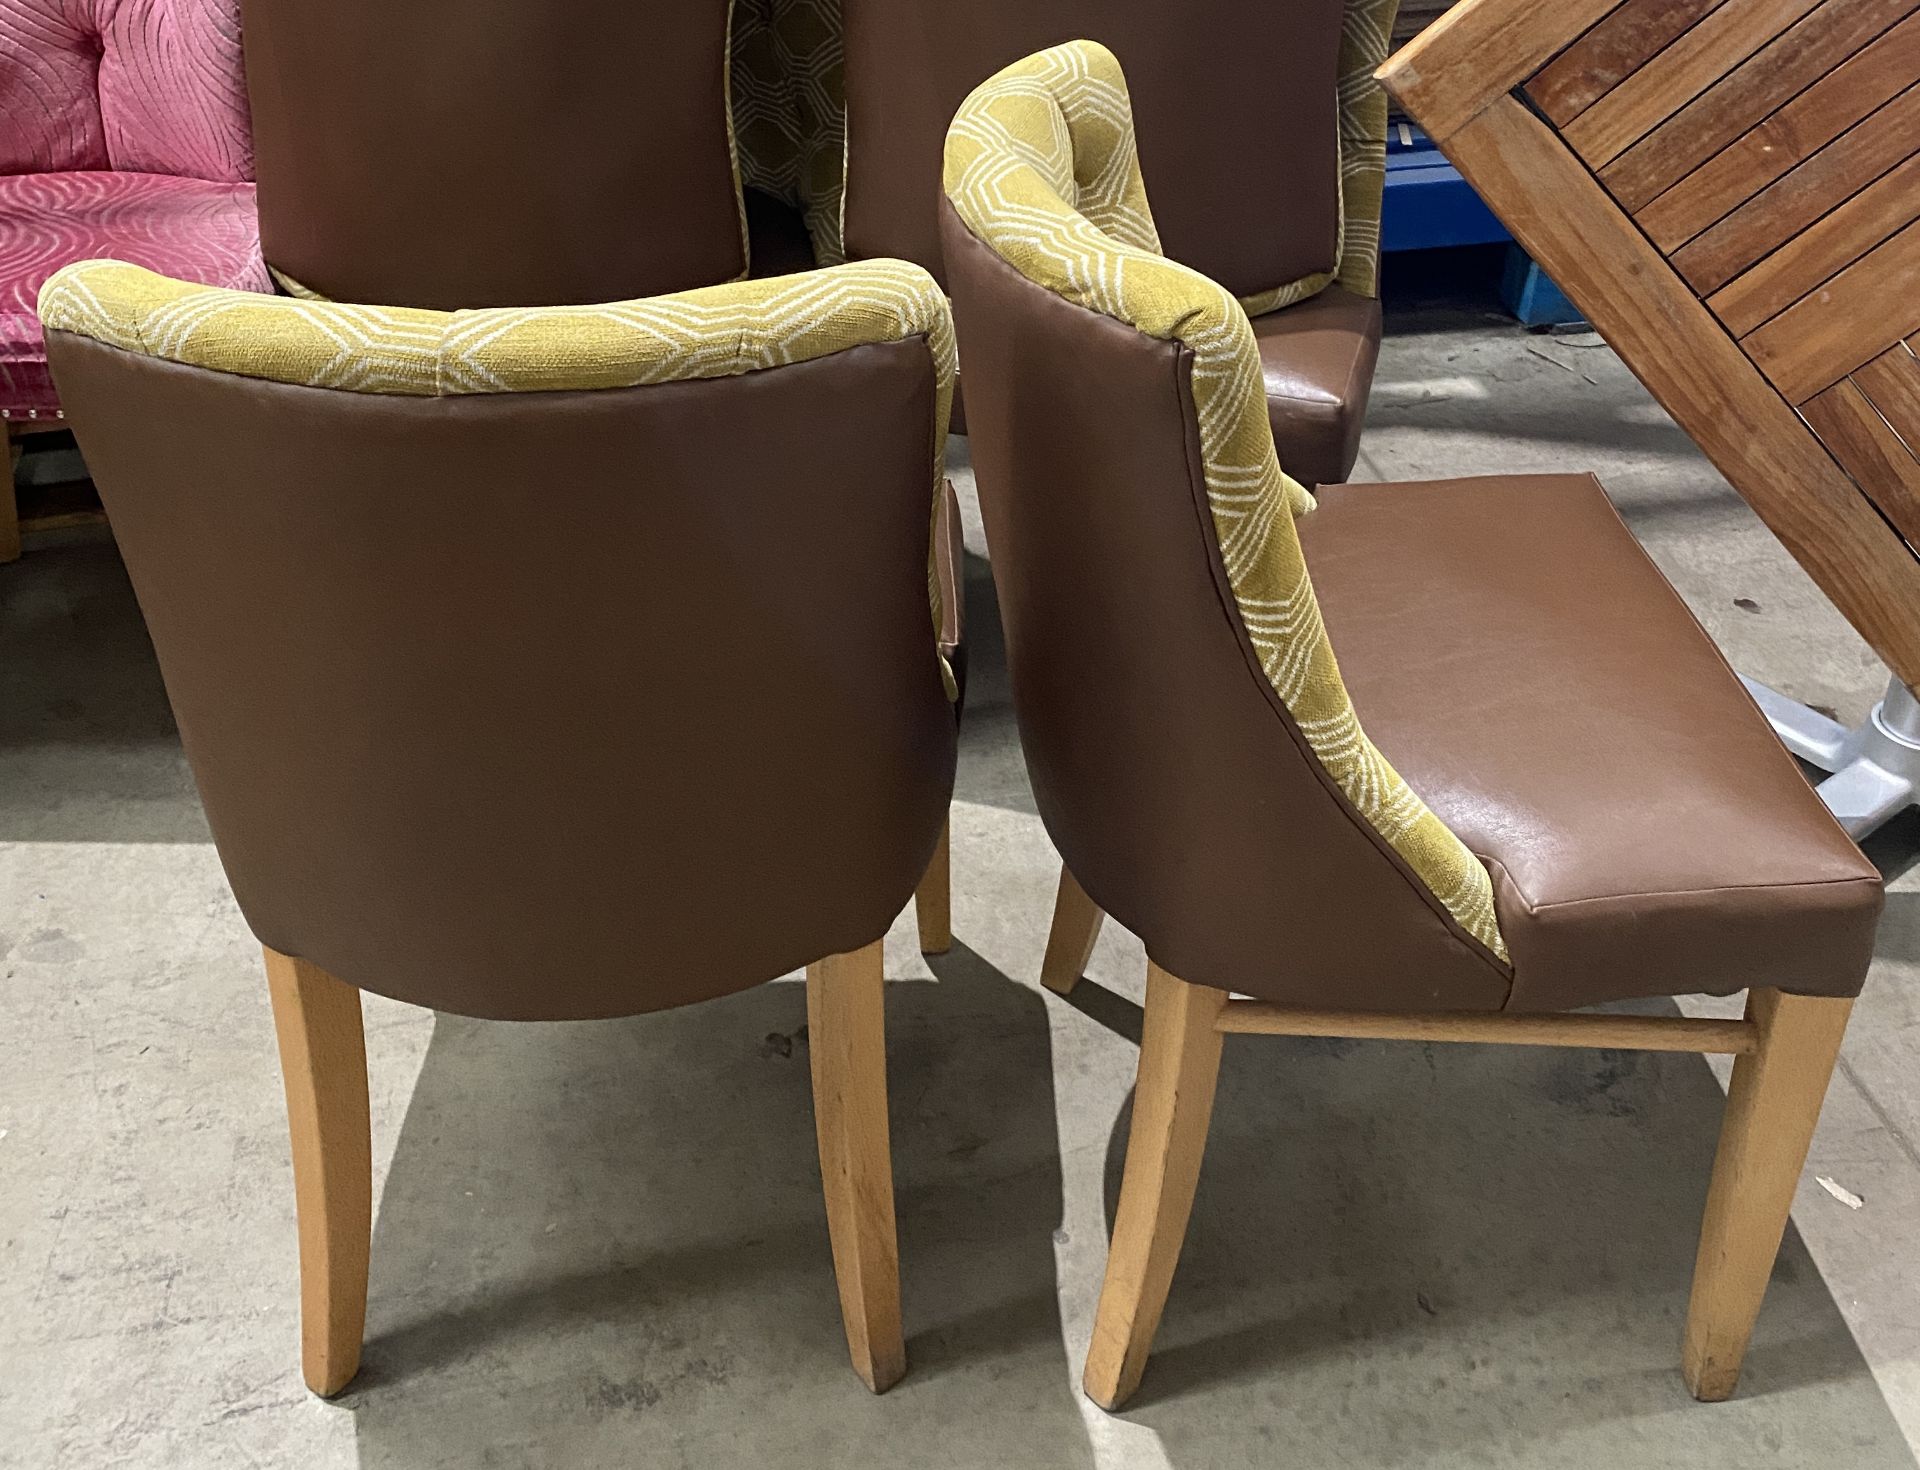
1192, 746
460, 153
539, 664
96, 85
1249, 115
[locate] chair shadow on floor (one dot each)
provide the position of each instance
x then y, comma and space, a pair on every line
604, 1244
605, 1241
1442, 1255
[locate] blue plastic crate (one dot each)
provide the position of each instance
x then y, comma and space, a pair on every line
1429, 206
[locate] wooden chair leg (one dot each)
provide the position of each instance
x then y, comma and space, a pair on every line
9, 505
1076, 925
933, 899
1772, 1108
323, 1061
846, 1035
1172, 1105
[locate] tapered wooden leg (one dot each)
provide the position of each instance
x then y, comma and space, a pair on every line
1772, 1107
933, 899
1076, 924
846, 1034
323, 1060
1172, 1105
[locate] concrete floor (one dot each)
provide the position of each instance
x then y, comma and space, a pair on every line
602, 1245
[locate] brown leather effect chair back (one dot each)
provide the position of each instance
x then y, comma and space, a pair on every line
493, 152
1177, 788
1234, 106
544, 705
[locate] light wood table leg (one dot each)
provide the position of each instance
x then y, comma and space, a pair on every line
1076, 925
846, 1035
323, 1061
933, 899
1172, 1105
1772, 1108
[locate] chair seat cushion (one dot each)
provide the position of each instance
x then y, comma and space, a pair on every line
1532, 675
186, 228
1318, 359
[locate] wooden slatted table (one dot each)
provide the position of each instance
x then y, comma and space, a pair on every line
1730, 190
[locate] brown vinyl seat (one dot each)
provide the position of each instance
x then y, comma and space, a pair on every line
1532, 675
1317, 360
1527, 783
545, 664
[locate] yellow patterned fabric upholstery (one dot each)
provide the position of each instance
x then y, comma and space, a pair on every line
1041, 166
714, 332
790, 112
1366, 36
292, 287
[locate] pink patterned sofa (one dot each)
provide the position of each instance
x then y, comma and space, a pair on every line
123, 132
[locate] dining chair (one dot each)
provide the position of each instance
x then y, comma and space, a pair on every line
543, 664
1527, 786
1260, 126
